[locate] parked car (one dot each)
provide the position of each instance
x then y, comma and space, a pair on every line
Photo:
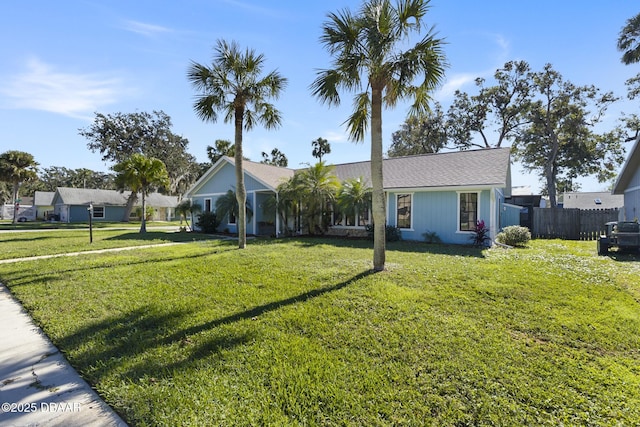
625, 235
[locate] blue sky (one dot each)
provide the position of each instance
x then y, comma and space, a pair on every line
63, 61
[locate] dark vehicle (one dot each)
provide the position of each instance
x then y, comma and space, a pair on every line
624, 235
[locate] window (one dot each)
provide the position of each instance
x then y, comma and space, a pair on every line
232, 218
403, 219
207, 205
98, 211
468, 211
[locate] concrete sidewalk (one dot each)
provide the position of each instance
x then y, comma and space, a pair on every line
38, 387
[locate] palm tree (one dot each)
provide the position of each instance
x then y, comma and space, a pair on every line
233, 84
354, 197
186, 209
140, 174
227, 206
17, 167
629, 41
368, 59
320, 147
317, 185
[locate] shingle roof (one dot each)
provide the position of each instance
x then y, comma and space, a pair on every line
268, 174
82, 196
487, 167
589, 200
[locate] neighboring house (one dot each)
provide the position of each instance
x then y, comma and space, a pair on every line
71, 205
445, 193
592, 200
628, 184
43, 202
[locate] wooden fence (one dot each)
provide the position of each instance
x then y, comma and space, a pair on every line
571, 224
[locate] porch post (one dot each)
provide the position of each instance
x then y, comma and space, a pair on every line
277, 216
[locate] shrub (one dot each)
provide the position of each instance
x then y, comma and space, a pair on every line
392, 234
208, 222
514, 235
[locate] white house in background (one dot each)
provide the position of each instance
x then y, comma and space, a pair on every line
628, 184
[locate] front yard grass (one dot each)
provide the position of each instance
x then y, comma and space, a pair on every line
299, 332
51, 242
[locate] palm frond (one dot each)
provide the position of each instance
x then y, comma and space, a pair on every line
358, 122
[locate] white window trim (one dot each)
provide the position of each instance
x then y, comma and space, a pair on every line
410, 212
205, 204
479, 193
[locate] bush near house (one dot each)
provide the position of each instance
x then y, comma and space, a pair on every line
208, 222
514, 235
392, 233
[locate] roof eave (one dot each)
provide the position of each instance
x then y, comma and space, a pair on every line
628, 169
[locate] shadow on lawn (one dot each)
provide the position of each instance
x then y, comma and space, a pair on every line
170, 236
134, 339
408, 246
36, 276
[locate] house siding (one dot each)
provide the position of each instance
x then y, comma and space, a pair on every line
438, 211
632, 198
225, 180
81, 214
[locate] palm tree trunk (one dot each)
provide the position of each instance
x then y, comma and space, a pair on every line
241, 192
377, 195
143, 224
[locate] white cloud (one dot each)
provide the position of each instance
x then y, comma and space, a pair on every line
336, 137
455, 82
41, 87
145, 29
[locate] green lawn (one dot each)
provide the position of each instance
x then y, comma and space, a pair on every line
299, 332
50, 242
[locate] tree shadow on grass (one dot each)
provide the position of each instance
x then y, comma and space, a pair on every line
133, 339
164, 236
408, 246
36, 276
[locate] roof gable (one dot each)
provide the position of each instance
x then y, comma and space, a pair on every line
268, 175
43, 198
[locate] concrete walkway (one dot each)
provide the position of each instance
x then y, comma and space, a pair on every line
38, 387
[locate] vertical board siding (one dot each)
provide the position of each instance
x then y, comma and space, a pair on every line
571, 224
437, 211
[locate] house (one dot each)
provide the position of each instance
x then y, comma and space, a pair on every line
444, 193
71, 205
628, 184
43, 202
592, 200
